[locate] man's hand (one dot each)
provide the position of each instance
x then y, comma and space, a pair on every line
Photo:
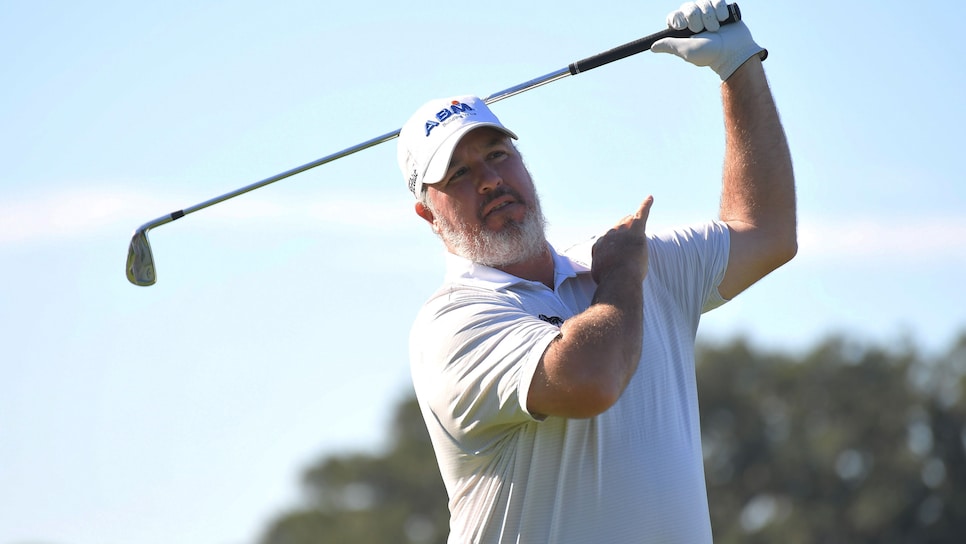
623, 247
723, 48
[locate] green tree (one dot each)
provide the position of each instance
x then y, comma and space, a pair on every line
847, 444
397, 497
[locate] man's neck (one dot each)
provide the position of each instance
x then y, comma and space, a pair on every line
538, 268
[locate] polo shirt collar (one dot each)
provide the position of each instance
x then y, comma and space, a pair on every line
463, 271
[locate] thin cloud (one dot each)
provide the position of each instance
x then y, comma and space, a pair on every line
919, 238
78, 214
67, 215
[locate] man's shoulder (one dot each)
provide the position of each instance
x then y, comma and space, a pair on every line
463, 291
458, 296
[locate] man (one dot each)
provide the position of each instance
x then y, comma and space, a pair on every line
559, 390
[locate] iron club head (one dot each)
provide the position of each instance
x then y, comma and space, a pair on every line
140, 260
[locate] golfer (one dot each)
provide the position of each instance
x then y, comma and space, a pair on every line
559, 388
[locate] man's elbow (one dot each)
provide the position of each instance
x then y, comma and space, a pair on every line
595, 399
784, 250
577, 399
788, 247
778, 245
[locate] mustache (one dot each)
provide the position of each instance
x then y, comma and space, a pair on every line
500, 191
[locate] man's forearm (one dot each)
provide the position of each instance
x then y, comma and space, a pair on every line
598, 350
585, 369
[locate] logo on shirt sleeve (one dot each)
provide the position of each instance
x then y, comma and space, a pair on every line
553, 320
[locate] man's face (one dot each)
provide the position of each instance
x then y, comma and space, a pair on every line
486, 208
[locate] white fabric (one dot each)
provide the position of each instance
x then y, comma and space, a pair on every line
632, 474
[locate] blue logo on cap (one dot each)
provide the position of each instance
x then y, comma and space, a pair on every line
457, 108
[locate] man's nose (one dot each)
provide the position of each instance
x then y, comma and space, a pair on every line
489, 179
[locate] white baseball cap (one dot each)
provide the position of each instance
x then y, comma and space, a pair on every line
427, 140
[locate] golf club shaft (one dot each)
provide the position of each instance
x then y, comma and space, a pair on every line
574, 68
589, 63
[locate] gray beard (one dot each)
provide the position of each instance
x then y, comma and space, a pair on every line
517, 242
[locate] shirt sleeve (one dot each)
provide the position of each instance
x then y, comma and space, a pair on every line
473, 358
690, 263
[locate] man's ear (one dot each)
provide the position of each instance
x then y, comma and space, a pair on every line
423, 211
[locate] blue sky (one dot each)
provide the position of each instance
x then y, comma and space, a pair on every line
276, 334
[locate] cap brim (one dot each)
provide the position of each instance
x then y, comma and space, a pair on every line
438, 165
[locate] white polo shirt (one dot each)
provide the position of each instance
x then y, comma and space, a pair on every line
631, 474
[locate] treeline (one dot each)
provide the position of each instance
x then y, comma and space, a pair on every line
844, 444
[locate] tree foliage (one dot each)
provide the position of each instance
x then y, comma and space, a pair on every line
397, 497
845, 444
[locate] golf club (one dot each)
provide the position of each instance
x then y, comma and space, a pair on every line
140, 260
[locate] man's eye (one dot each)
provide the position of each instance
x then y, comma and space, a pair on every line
457, 174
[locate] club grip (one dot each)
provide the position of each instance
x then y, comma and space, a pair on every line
643, 44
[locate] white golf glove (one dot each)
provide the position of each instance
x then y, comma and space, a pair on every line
723, 48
